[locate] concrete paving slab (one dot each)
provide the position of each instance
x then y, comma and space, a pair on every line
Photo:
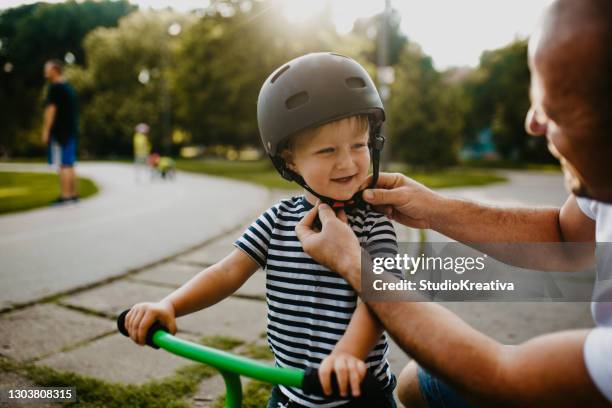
241, 318
42, 329
116, 358
208, 392
117, 296
167, 273
255, 286
213, 252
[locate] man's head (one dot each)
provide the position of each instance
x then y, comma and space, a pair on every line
333, 158
53, 70
571, 89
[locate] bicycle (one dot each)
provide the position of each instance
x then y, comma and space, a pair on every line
232, 367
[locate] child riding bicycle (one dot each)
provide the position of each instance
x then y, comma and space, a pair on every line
319, 118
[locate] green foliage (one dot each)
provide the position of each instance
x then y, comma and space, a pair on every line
113, 99
425, 114
24, 191
30, 35
499, 94
222, 62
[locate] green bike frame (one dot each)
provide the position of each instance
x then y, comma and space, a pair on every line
230, 366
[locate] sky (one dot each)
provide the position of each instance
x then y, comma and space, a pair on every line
452, 32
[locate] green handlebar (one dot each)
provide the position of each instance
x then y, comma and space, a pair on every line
227, 362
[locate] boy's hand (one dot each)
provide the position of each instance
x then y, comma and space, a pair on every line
142, 315
349, 371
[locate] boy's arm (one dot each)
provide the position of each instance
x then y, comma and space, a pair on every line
347, 358
361, 335
213, 284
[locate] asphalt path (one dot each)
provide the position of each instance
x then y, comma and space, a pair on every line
127, 225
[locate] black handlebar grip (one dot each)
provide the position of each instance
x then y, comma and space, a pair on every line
372, 391
149, 337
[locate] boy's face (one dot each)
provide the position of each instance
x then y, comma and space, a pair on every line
335, 161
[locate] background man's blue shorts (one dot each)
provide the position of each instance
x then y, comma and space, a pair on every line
62, 154
437, 394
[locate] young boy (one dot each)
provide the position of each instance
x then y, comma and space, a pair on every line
318, 116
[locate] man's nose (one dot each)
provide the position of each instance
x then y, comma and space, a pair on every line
535, 125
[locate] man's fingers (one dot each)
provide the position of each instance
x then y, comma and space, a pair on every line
326, 213
383, 197
304, 228
390, 180
341, 214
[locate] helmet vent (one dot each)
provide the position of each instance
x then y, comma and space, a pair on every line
355, 82
279, 73
297, 100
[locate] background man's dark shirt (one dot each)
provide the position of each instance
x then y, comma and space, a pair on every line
66, 122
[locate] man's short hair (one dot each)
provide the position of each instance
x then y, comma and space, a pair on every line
56, 64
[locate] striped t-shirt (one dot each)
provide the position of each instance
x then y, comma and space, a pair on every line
309, 306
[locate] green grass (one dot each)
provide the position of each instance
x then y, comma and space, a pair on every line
169, 392
226, 343
258, 351
255, 395
24, 191
259, 172
513, 165
262, 172
459, 177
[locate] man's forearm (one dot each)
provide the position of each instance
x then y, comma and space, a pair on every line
480, 368
547, 371
48, 118
467, 221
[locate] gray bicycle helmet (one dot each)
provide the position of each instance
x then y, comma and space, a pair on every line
310, 91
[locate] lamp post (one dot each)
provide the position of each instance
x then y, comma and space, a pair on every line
385, 75
174, 29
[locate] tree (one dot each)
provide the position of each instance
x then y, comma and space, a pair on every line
426, 114
499, 95
126, 81
31, 35
224, 59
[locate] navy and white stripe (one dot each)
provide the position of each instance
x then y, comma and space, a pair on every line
309, 306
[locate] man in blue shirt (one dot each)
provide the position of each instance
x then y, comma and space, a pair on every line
61, 128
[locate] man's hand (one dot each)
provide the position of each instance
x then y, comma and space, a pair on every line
335, 246
45, 136
404, 200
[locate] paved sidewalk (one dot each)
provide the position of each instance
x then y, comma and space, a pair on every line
127, 225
